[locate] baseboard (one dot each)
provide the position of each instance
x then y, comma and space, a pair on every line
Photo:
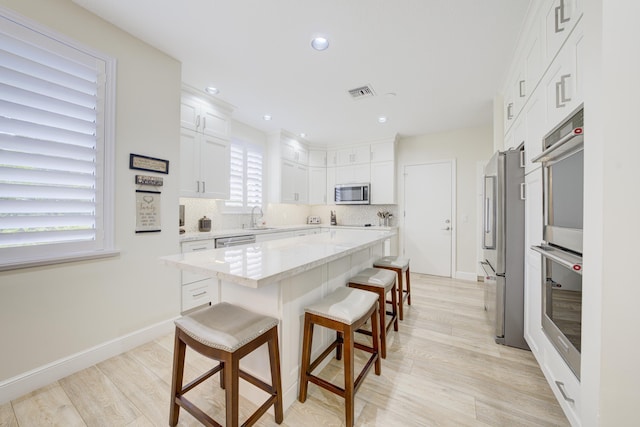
27, 382
462, 275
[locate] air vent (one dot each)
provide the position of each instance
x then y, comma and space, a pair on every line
362, 92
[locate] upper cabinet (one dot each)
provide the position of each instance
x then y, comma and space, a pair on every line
288, 169
357, 154
383, 173
560, 16
204, 146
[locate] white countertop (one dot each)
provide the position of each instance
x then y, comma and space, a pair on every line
214, 234
260, 264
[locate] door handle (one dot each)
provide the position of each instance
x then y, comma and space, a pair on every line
446, 228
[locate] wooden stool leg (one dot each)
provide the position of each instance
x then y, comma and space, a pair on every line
176, 382
231, 380
349, 392
408, 287
400, 295
394, 304
276, 382
306, 358
340, 339
382, 309
375, 336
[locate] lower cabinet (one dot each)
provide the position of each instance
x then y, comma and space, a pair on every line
197, 290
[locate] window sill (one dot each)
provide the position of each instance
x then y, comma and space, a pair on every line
50, 261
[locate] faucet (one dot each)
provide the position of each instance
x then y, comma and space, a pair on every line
253, 218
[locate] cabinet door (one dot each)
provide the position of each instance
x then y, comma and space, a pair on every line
383, 151
533, 62
317, 185
214, 167
332, 158
331, 185
317, 158
534, 116
354, 174
563, 82
189, 163
189, 114
302, 184
344, 157
361, 154
533, 218
213, 123
383, 183
560, 18
288, 184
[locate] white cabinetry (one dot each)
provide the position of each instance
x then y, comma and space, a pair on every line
560, 17
317, 158
353, 155
383, 173
563, 80
288, 159
353, 174
197, 290
204, 147
204, 165
317, 185
331, 185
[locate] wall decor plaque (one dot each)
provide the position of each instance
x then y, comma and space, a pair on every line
145, 163
148, 210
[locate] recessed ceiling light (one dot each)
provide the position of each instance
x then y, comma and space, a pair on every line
267, 117
303, 135
319, 43
382, 119
212, 90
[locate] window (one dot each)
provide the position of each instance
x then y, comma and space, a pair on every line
246, 176
56, 152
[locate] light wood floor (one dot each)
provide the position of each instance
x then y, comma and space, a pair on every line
442, 368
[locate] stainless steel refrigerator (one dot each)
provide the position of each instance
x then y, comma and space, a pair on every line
503, 246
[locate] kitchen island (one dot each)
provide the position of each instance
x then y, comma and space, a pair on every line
280, 278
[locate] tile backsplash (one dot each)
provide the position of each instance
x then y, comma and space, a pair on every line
281, 214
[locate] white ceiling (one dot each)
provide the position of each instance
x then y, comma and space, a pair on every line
443, 60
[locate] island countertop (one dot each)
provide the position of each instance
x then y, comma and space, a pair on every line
260, 264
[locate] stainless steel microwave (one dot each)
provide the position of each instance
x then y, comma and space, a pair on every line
352, 194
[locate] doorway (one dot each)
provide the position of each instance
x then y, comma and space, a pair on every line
429, 211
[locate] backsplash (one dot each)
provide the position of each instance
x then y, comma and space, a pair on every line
274, 214
355, 215
282, 214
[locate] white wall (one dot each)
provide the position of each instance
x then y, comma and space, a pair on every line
52, 312
610, 345
467, 147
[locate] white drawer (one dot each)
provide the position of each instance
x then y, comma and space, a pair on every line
195, 294
187, 247
564, 383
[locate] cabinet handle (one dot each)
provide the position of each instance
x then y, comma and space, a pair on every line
204, 123
510, 111
564, 394
561, 96
198, 186
523, 195
523, 162
198, 121
204, 188
521, 88
199, 294
559, 17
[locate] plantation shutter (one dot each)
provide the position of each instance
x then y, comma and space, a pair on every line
51, 149
246, 176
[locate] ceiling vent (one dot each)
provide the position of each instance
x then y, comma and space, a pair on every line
362, 92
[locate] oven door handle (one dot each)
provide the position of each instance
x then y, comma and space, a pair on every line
569, 144
572, 262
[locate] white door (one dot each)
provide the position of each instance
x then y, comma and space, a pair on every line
428, 221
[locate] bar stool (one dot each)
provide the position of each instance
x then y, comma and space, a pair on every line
399, 265
344, 311
225, 333
381, 282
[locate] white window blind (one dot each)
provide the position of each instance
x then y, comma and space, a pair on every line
54, 154
246, 176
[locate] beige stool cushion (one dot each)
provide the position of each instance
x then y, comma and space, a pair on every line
225, 326
393, 262
375, 277
345, 305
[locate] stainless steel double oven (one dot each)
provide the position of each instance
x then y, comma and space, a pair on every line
563, 186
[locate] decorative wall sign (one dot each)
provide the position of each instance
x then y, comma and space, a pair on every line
149, 180
145, 163
148, 209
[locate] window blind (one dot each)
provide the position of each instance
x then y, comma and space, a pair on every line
52, 153
246, 176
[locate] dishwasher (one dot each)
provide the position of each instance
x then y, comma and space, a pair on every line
225, 242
